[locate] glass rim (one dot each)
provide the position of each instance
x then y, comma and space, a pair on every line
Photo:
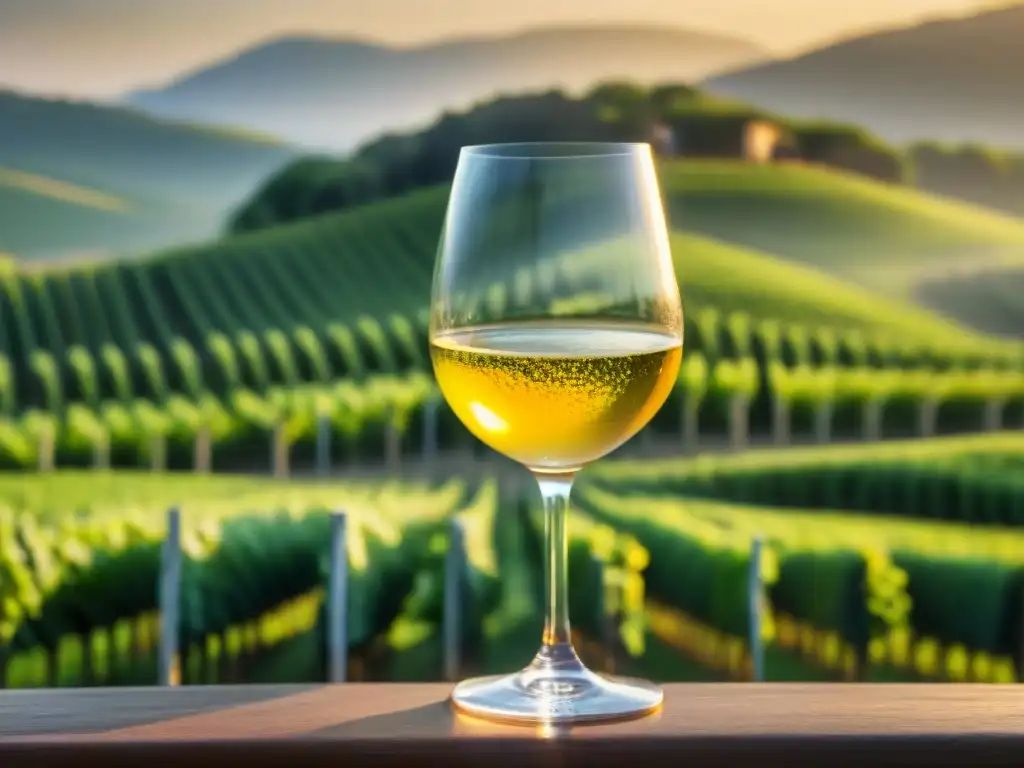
555, 150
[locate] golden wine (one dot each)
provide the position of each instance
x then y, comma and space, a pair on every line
555, 395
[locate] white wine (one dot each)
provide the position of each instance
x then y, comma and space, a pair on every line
556, 395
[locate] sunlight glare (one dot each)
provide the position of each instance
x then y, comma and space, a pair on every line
487, 418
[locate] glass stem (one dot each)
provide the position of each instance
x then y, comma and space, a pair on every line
557, 647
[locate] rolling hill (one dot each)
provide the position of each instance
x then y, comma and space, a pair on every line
730, 278
346, 294
46, 218
237, 334
955, 79
336, 92
81, 178
886, 238
990, 300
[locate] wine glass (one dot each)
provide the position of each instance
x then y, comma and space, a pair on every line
555, 334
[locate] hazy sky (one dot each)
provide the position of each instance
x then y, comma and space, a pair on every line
105, 47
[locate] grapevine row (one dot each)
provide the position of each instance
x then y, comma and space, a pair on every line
74, 576
337, 296
849, 596
935, 603
364, 414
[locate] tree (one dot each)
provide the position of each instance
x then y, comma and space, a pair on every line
285, 195
693, 386
155, 425
851, 148
782, 385
737, 381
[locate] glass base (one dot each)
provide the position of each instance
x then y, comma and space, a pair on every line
548, 694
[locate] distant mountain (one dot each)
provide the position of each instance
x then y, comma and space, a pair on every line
334, 93
950, 80
77, 177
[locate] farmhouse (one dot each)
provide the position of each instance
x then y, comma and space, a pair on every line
712, 134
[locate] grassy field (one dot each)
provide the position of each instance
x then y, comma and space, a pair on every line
989, 299
62, 191
44, 218
828, 218
66, 169
885, 237
733, 278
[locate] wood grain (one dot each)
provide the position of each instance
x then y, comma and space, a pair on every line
411, 725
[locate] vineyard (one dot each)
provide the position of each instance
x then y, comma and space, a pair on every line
255, 564
891, 588
84, 605
313, 336
306, 345
903, 560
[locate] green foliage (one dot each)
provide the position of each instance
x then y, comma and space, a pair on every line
698, 568
872, 579
702, 125
359, 412
46, 368
83, 427
958, 479
837, 599
969, 172
249, 546
693, 378
973, 602
153, 370
7, 396
188, 365
346, 295
84, 367
117, 367
249, 347
310, 305
736, 377
221, 348
306, 339
281, 352
851, 148
307, 187
480, 586
16, 443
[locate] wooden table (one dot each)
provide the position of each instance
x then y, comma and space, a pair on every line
412, 725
